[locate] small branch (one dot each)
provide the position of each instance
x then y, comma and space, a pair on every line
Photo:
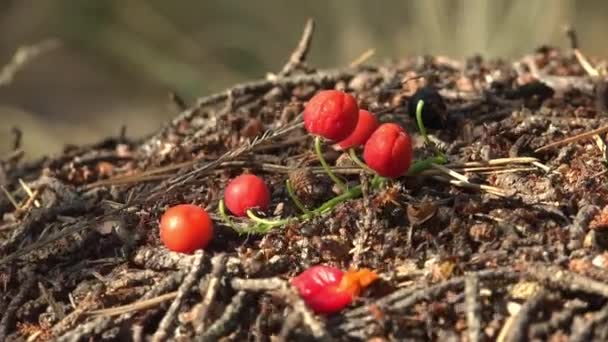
218, 264
298, 56
472, 307
575, 138
292, 321
9, 312
18, 139
563, 279
364, 225
48, 297
572, 37
290, 294
228, 320
362, 58
22, 57
354, 321
96, 326
518, 327
150, 299
165, 324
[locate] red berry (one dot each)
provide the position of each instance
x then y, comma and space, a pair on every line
185, 228
319, 288
331, 114
245, 192
366, 125
388, 151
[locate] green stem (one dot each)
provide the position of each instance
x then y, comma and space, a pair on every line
351, 193
222, 209
422, 129
260, 220
353, 156
326, 167
263, 226
425, 164
295, 198
419, 121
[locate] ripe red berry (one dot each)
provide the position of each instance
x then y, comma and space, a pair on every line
185, 228
331, 114
318, 287
245, 192
327, 289
366, 125
388, 151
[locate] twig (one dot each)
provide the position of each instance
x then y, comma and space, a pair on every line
472, 307
292, 321
585, 331
198, 170
362, 58
480, 187
10, 197
365, 226
555, 276
18, 139
575, 138
298, 56
8, 316
259, 86
228, 319
518, 327
315, 326
160, 259
356, 320
57, 310
32, 195
572, 37
558, 320
162, 332
218, 264
150, 299
22, 57
75, 316
493, 162
450, 172
103, 322
177, 100
520, 228
96, 326
137, 306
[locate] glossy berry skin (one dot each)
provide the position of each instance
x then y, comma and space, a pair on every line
245, 192
185, 228
434, 111
331, 114
366, 125
319, 287
388, 151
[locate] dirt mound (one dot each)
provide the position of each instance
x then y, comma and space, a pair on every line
504, 241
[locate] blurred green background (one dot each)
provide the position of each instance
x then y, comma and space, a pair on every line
119, 59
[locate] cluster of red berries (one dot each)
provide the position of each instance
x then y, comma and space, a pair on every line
185, 228
335, 116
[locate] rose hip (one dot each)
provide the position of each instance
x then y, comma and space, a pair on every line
327, 289
245, 192
366, 125
388, 151
185, 228
331, 114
